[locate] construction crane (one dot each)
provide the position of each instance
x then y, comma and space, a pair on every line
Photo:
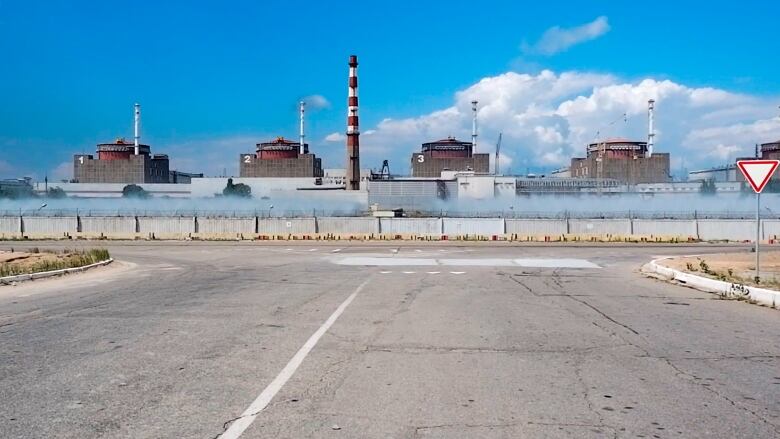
384, 173
498, 150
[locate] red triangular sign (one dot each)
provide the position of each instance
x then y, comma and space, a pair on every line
758, 172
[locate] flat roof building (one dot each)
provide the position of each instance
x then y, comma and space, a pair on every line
280, 158
624, 160
448, 154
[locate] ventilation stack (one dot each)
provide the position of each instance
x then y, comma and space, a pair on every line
137, 135
474, 127
650, 127
302, 134
353, 132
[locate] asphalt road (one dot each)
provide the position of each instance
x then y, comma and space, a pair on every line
177, 340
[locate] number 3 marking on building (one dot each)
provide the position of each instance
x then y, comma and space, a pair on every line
420, 158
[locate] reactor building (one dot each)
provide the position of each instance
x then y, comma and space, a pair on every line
121, 161
282, 157
628, 161
450, 154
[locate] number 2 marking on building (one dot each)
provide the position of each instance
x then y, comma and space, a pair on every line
247, 158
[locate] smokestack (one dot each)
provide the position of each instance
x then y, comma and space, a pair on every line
302, 135
353, 132
474, 127
137, 121
650, 127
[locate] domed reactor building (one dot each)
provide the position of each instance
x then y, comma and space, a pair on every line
627, 161
126, 162
450, 154
282, 158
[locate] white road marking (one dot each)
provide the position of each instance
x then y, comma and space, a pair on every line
312, 249
288, 249
463, 262
409, 272
418, 250
433, 272
258, 405
385, 272
336, 250
457, 272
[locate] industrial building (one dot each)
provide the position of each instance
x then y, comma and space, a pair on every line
730, 172
125, 162
724, 173
282, 158
624, 160
450, 154
628, 161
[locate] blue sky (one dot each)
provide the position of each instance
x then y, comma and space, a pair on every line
213, 79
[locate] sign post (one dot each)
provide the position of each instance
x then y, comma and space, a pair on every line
758, 173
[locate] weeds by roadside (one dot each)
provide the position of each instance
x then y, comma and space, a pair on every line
65, 259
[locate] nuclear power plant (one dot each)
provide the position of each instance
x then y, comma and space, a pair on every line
448, 168
124, 162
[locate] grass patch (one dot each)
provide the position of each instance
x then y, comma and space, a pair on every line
64, 259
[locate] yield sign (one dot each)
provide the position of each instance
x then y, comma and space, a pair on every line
757, 172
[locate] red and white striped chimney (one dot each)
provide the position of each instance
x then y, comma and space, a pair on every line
353, 132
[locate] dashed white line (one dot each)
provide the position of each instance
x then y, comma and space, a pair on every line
409, 272
312, 249
336, 250
457, 272
258, 405
433, 272
385, 272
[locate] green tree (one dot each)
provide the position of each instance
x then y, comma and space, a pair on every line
135, 191
239, 190
708, 187
56, 193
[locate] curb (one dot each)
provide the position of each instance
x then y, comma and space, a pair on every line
45, 274
729, 290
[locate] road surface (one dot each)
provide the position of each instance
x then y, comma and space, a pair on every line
340, 340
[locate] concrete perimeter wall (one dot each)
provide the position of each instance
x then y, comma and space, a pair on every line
411, 226
226, 226
50, 227
536, 227
600, 227
162, 227
166, 226
665, 228
108, 225
348, 226
473, 226
286, 226
732, 230
10, 225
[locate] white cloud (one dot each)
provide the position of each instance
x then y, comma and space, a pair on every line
335, 137
63, 171
557, 39
316, 102
548, 117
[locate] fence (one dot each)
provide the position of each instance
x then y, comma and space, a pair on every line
207, 227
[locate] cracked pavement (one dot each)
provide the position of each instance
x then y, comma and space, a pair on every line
179, 338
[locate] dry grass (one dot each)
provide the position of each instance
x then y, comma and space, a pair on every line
732, 267
34, 260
